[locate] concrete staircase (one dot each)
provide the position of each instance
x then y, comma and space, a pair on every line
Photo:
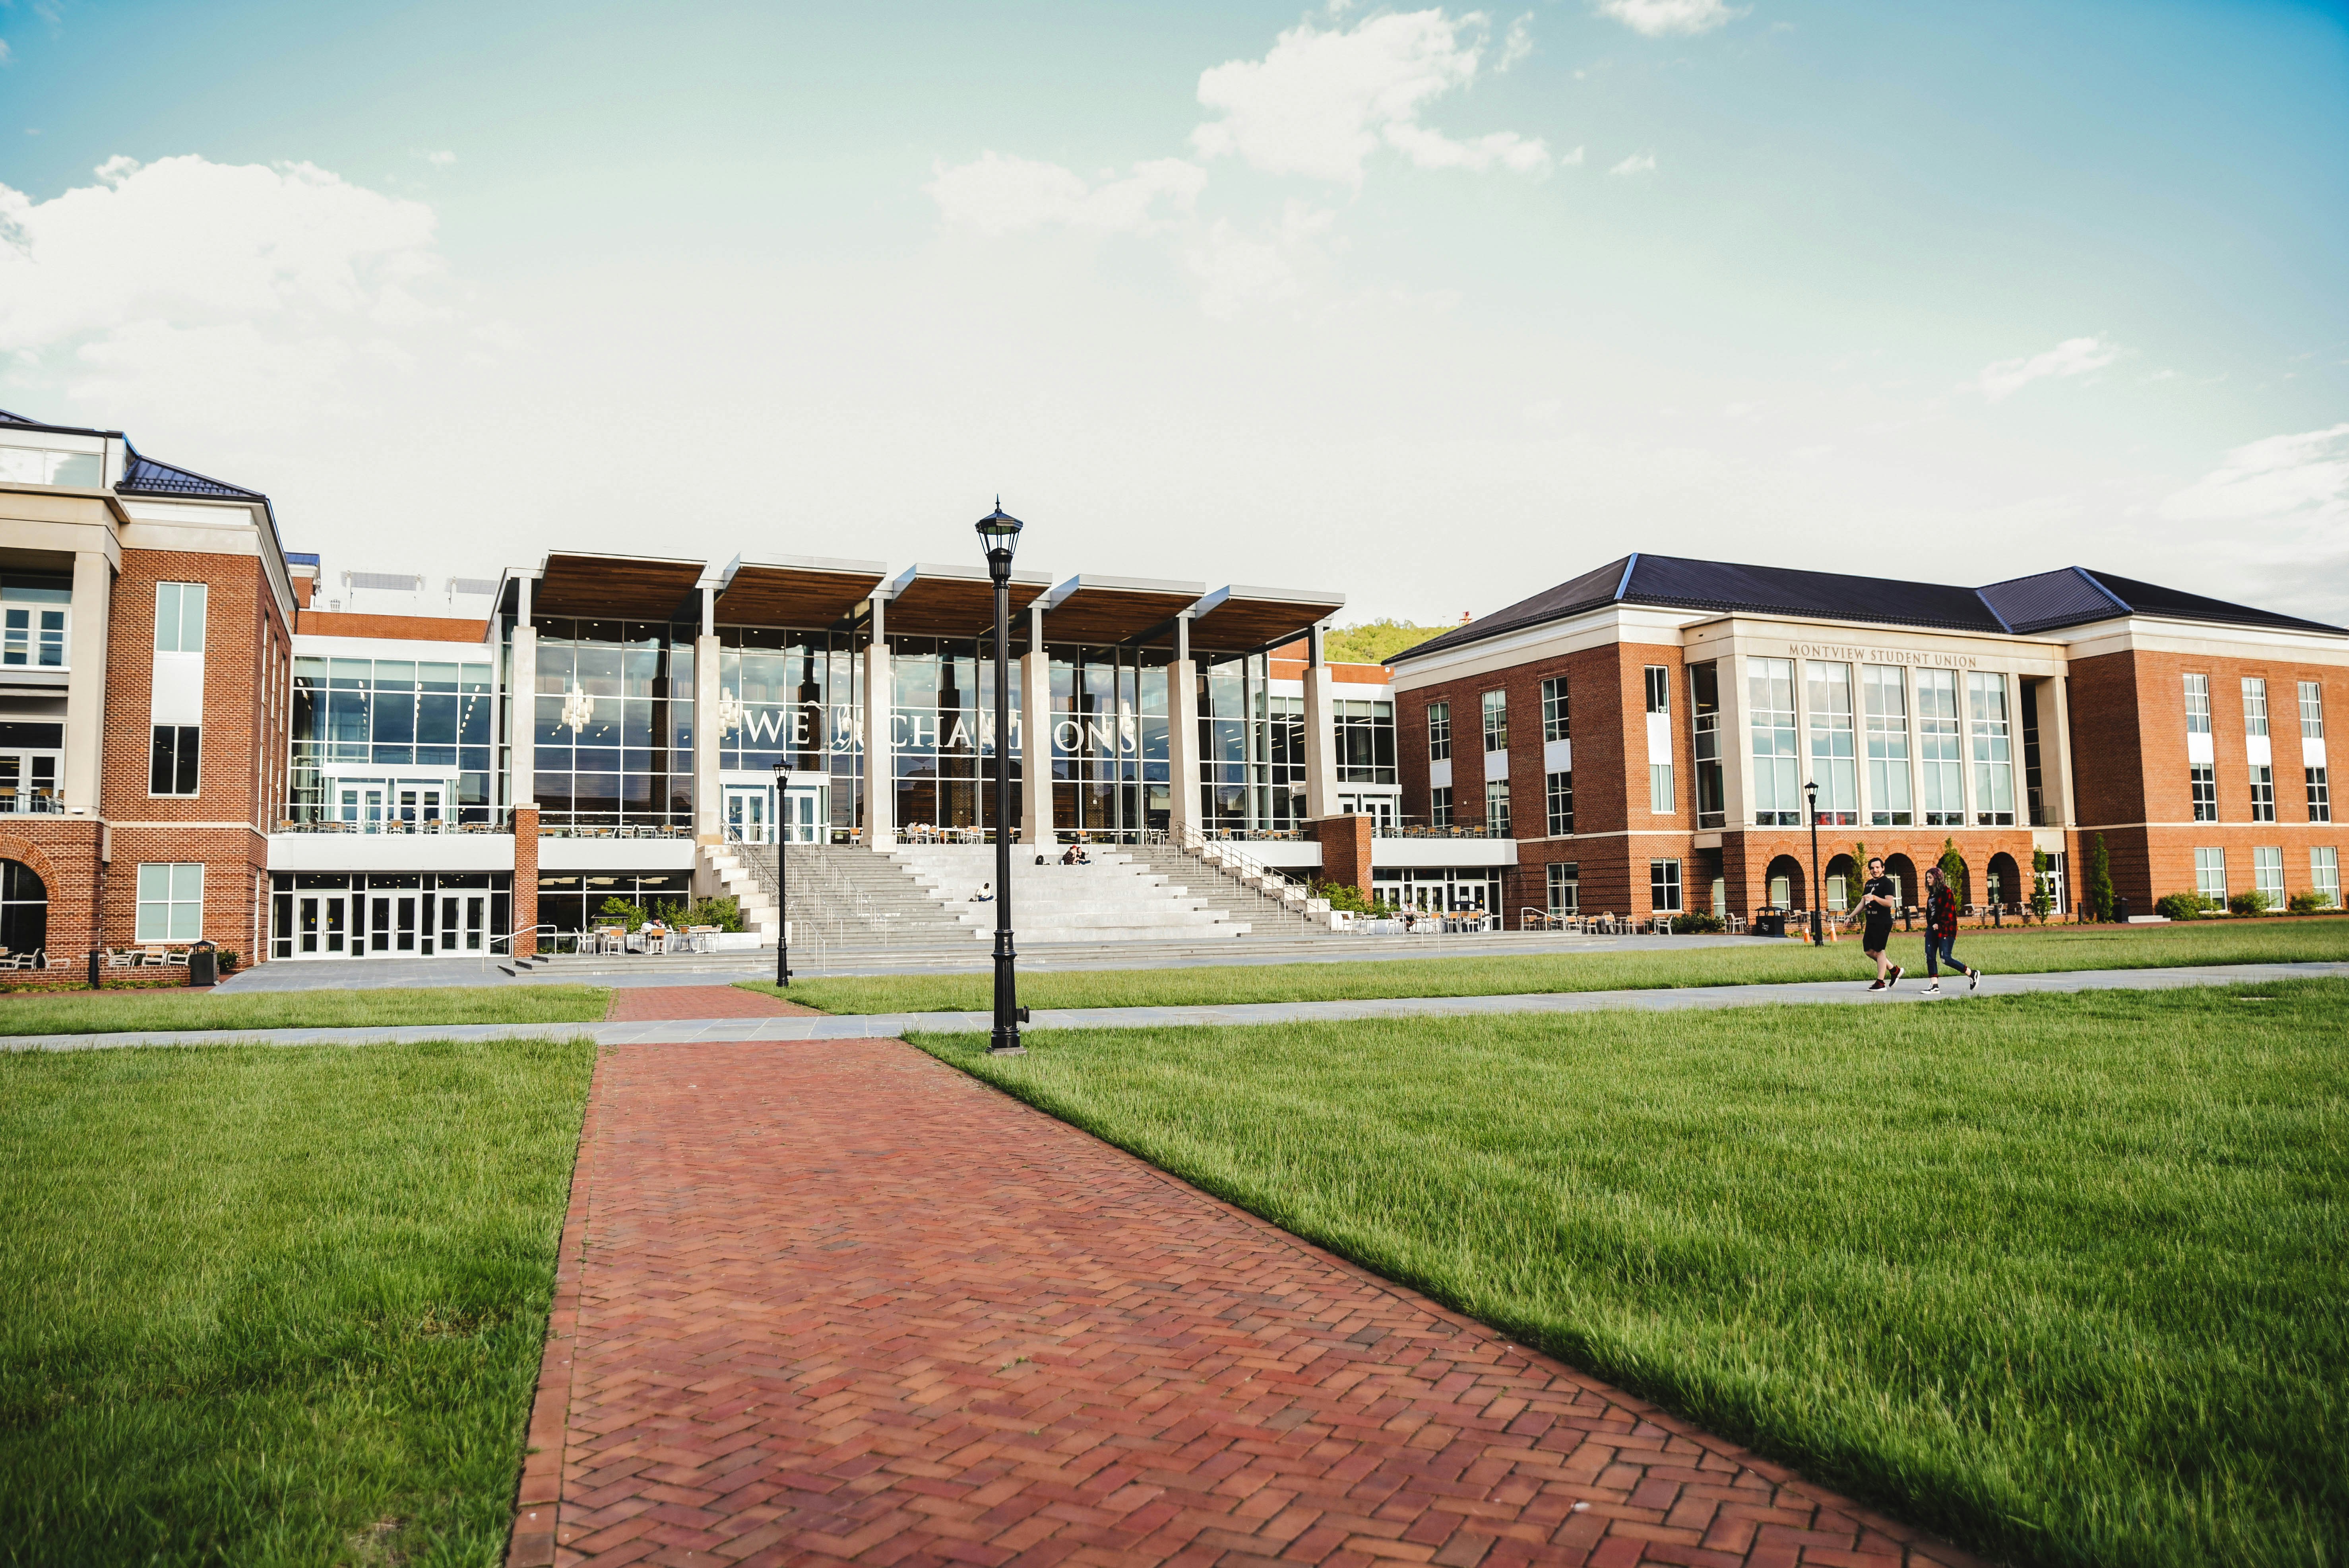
740, 878
1116, 898
1271, 913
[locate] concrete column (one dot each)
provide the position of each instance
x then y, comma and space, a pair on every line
709, 825
1182, 734
1320, 734
2055, 752
1036, 737
523, 699
93, 609
880, 753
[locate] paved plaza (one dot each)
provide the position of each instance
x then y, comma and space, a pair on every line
845, 1305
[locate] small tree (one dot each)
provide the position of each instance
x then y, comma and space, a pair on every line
2098, 898
1954, 871
617, 908
2042, 900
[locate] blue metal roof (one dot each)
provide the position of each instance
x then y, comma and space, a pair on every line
145, 476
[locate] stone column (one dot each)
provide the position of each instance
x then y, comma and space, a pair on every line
880, 753
708, 823
1321, 733
521, 701
93, 596
1036, 736
1182, 734
526, 881
2055, 753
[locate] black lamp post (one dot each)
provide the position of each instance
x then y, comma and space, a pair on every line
782, 876
999, 533
1811, 794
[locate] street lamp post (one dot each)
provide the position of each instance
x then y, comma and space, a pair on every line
783, 877
1811, 795
999, 533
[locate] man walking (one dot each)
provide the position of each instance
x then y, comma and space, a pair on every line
1941, 934
1876, 900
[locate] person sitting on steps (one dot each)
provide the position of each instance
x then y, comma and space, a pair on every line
986, 893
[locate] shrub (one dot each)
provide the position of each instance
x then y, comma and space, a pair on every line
2097, 903
2250, 901
1696, 921
617, 908
2042, 900
2181, 906
1348, 897
722, 912
2308, 900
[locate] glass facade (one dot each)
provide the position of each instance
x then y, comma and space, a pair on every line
796, 698
1834, 763
1941, 748
1887, 705
368, 726
1251, 750
1705, 709
944, 750
1777, 767
1110, 726
613, 723
1366, 740
1993, 741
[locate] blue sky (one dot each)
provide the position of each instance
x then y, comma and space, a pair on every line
1435, 307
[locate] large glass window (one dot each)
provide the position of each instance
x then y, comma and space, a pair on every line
1704, 706
1993, 738
944, 750
2210, 874
1366, 740
1941, 755
172, 758
1438, 731
2311, 710
2255, 705
1439, 807
1834, 763
613, 720
1559, 789
1777, 767
2267, 873
1664, 886
179, 617
1565, 878
1251, 747
1556, 725
47, 466
2198, 704
1496, 808
380, 719
1886, 699
171, 902
2324, 873
1496, 720
797, 698
35, 615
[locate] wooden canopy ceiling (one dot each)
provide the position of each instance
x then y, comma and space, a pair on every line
797, 591
956, 602
1236, 619
1105, 610
615, 587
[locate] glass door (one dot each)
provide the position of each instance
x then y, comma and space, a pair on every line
28, 781
464, 922
419, 805
391, 924
320, 928
802, 812
747, 808
361, 808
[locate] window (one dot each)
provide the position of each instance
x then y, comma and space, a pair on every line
1554, 714
1560, 790
1439, 807
32, 612
1496, 808
2210, 875
2267, 873
2255, 705
352, 716
1704, 735
1993, 738
2205, 792
1659, 789
2198, 704
1941, 751
1497, 721
1366, 740
47, 466
172, 760
2319, 797
1438, 731
2263, 794
1833, 761
2324, 874
178, 617
1660, 689
171, 902
1664, 886
1777, 771
1565, 887
2311, 710
1887, 705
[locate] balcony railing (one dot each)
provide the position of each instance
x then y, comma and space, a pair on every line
309, 817
30, 803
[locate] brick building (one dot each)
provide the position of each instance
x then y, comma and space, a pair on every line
1644, 737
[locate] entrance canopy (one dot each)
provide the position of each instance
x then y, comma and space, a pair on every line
933, 601
1237, 619
807, 591
1105, 610
615, 587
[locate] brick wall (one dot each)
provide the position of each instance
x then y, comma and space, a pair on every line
1345, 851
413, 628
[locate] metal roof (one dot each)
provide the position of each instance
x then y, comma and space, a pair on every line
145, 476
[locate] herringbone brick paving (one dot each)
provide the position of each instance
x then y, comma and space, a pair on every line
838, 1302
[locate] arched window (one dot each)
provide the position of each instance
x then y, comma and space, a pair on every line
1842, 879
1785, 881
1905, 882
24, 909
2006, 881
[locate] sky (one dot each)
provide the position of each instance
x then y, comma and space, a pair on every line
1433, 307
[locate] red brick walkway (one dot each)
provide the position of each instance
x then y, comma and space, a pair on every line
837, 1303
631, 1004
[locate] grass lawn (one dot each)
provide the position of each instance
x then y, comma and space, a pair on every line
1749, 963
92, 1013
2065, 1278
275, 1305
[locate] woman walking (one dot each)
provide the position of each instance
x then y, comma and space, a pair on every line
1941, 934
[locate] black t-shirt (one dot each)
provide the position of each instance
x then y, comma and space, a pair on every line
1880, 887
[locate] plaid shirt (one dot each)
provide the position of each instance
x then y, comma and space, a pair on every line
1941, 914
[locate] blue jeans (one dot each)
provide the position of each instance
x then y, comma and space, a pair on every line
1940, 950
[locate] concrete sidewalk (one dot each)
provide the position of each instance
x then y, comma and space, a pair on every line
889, 1026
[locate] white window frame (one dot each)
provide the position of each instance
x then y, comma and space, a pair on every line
1564, 886
175, 604
1773, 744
2311, 710
1556, 711
1890, 802
1498, 824
171, 901
1990, 712
2320, 794
2198, 704
1664, 877
2267, 873
2325, 872
1495, 714
2211, 872
2255, 705
1438, 731
1834, 740
1557, 789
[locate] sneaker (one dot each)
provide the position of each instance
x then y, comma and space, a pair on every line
1897, 973
1974, 979
1934, 989
1875, 985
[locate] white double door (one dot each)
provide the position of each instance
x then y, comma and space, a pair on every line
392, 922
367, 806
752, 814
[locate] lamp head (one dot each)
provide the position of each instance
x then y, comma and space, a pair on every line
999, 531
782, 770
1811, 791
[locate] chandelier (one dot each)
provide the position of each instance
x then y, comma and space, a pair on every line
731, 712
578, 710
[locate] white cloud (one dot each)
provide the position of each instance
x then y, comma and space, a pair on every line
1518, 45
2301, 479
1571, 160
996, 194
1638, 163
2073, 356
4, 51
440, 160
1320, 103
1656, 18
216, 280
1236, 269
